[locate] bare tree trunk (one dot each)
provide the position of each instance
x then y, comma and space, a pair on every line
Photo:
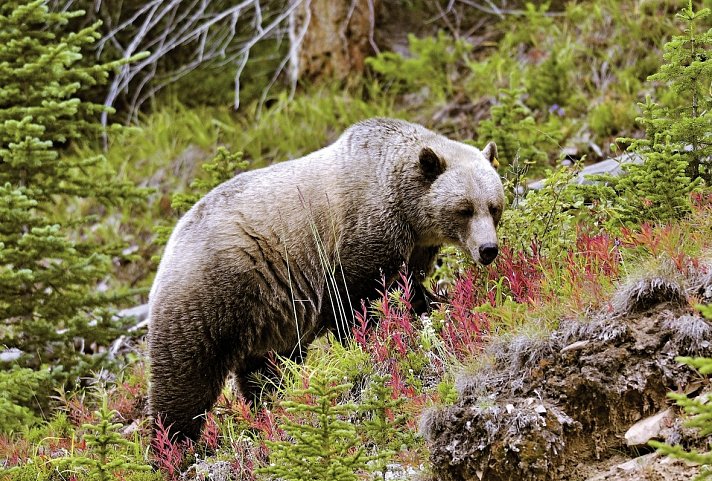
331, 38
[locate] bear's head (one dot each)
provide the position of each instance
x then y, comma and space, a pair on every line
464, 196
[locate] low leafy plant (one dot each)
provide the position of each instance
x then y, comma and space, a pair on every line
544, 222
611, 117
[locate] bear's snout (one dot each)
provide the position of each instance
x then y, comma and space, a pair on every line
488, 252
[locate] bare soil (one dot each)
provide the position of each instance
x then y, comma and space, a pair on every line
557, 408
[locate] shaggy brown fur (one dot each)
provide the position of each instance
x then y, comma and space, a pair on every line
245, 271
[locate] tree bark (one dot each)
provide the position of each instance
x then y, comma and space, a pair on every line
331, 38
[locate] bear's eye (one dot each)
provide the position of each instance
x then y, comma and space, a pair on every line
466, 211
494, 210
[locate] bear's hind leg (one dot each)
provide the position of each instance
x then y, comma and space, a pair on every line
261, 376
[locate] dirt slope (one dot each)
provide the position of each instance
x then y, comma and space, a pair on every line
558, 408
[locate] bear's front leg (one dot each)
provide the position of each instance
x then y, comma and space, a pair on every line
420, 267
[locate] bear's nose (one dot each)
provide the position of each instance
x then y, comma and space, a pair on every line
488, 252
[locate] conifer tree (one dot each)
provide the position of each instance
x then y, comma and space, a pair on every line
220, 168
658, 189
688, 72
510, 121
223, 166
107, 451
512, 127
17, 388
325, 447
385, 428
678, 140
49, 265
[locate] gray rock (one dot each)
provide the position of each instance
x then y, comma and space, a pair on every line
10, 355
139, 312
649, 428
609, 166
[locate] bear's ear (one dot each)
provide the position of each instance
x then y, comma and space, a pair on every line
430, 163
490, 153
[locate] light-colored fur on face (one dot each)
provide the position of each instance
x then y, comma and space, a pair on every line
468, 198
264, 261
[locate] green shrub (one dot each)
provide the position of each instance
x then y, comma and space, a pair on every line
277, 133
549, 83
432, 65
220, 168
610, 118
18, 388
107, 451
518, 137
544, 222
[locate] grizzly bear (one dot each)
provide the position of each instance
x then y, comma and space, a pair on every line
275, 257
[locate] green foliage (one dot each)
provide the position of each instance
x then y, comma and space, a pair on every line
105, 455
278, 133
676, 141
548, 84
49, 267
700, 411
220, 168
432, 65
688, 73
144, 476
384, 428
447, 392
565, 79
611, 117
544, 222
18, 387
325, 446
571, 61
27, 472
656, 190
518, 136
